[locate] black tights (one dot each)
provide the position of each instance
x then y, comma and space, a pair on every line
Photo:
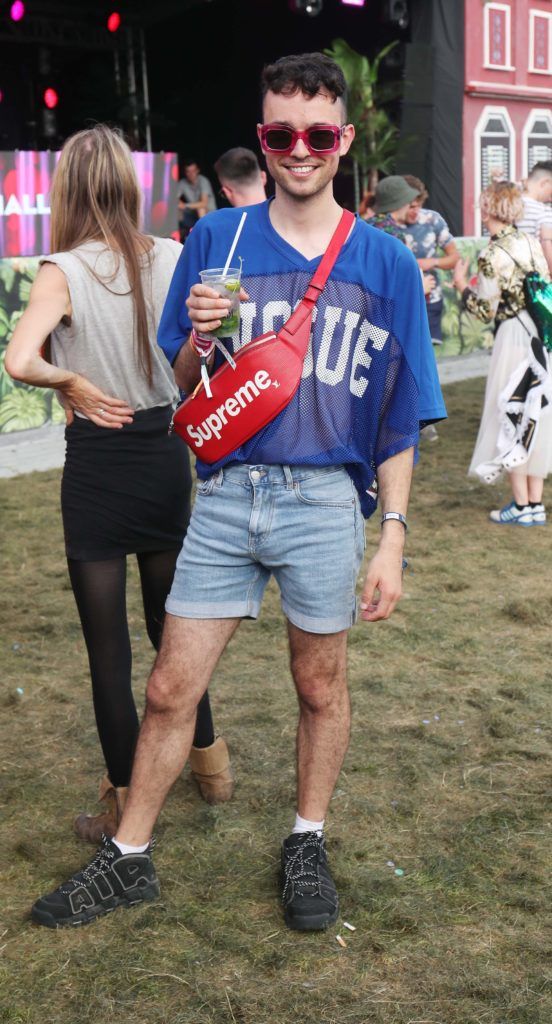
100, 593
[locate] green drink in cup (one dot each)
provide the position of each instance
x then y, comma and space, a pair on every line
228, 285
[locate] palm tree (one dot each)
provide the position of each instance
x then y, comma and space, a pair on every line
375, 145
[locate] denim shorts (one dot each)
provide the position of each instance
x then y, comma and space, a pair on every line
301, 524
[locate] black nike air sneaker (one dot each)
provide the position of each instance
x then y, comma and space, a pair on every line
111, 880
309, 895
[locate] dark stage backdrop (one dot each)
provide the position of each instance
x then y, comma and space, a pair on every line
431, 119
205, 68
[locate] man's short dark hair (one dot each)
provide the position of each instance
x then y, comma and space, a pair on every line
307, 73
189, 161
544, 167
239, 166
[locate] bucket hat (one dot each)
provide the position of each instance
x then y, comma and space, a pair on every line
392, 193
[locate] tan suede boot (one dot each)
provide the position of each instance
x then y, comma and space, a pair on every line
91, 827
211, 771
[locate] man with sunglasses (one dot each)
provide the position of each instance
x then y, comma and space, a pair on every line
290, 501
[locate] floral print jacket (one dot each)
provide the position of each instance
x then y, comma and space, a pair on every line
499, 290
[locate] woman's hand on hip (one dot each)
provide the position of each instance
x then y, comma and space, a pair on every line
80, 395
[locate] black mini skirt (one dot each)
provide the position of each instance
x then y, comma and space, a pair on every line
124, 491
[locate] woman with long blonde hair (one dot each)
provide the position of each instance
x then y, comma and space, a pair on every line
126, 483
515, 434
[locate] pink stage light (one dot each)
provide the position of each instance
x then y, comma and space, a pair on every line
353, 3
51, 98
114, 21
17, 10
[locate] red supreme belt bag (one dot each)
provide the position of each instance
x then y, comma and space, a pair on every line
266, 376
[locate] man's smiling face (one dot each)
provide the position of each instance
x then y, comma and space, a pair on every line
300, 173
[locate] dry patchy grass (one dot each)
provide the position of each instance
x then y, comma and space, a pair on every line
447, 776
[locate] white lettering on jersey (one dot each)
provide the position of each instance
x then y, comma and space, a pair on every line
273, 310
360, 358
356, 338
308, 365
248, 312
378, 337
332, 316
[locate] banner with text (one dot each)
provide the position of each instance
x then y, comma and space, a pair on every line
25, 177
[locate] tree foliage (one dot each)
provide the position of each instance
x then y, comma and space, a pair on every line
375, 145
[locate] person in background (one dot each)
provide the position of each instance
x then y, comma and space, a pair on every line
536, 219
126, 483
392, 200
429, 238
366, 208
195, 197
515, 435
241, 179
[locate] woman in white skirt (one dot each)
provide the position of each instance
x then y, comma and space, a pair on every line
515, 434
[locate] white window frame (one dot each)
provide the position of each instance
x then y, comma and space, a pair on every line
534, 115
486, 113
488, 7
533, 14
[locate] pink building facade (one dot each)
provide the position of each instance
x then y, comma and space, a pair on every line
507, 107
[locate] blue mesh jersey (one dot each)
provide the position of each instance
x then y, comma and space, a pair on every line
369, 377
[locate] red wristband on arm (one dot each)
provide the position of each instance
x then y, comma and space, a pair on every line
201, 346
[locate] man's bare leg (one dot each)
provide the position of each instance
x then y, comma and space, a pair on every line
319, 669
189, 652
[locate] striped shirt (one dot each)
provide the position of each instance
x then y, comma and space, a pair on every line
536, 216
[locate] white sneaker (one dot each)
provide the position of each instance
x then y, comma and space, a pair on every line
511, 515
539, 515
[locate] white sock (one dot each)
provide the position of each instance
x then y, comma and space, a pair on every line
125, 848
304, 825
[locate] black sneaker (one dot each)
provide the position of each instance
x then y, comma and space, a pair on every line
111, 880
309, 895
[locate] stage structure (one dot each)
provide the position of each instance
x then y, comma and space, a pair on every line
477, 99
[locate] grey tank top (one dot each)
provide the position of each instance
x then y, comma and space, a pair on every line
99, 342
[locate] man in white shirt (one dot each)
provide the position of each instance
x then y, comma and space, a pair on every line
537, 212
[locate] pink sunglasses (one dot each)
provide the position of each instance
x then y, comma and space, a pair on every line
323, 138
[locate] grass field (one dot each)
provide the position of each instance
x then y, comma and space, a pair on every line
447, 780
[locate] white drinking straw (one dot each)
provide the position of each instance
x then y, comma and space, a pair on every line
234, 244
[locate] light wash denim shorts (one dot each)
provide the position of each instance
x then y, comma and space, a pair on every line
301, 524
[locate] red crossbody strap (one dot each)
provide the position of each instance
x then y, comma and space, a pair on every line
321, 273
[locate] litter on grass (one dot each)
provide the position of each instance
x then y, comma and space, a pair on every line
351, 927
341, 941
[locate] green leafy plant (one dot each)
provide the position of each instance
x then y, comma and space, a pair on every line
375, 145
462, 332
22, 409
